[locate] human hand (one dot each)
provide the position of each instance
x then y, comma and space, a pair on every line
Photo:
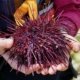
28, 6
75, 46
23, 69
6, 43
36, 67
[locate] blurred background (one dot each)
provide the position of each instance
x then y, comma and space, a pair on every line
76, 58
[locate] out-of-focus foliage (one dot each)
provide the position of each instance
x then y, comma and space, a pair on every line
76, 59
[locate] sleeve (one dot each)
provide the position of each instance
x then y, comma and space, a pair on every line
6, 9
70, 15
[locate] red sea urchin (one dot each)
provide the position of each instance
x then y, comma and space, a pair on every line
39, 41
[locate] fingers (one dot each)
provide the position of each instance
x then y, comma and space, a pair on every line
6, 43
36, 67
53, 69
74, 44
62, 67
28, 70
44, 71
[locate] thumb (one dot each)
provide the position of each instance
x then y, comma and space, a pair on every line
74, 43
6, 43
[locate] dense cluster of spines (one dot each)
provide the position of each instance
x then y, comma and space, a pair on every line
39, 42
